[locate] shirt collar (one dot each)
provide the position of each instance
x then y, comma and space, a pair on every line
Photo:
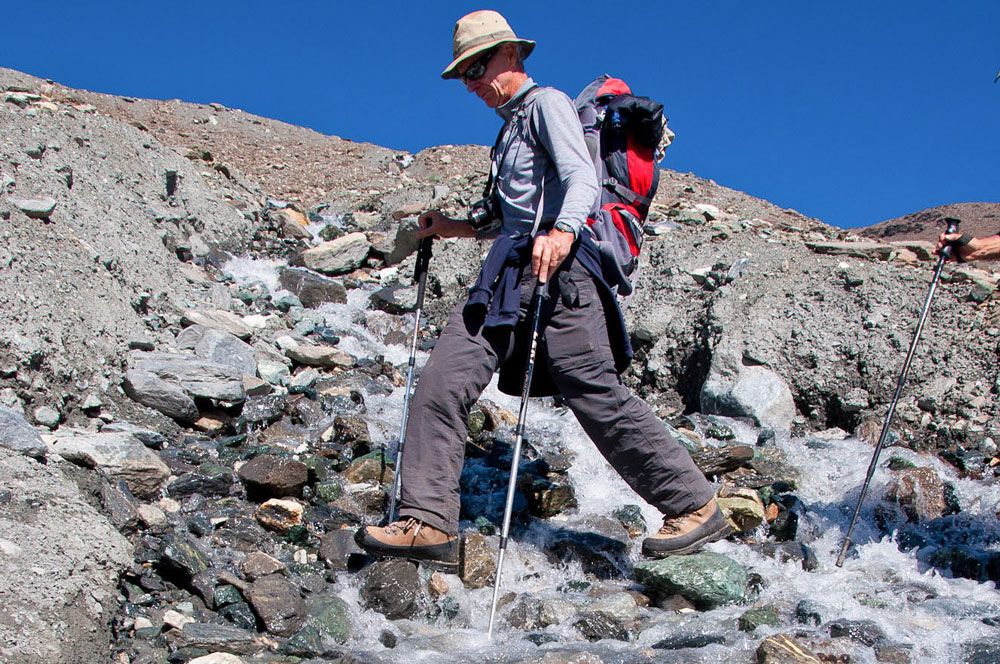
506, 110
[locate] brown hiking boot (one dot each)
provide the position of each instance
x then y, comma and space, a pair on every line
414, 540
684, 534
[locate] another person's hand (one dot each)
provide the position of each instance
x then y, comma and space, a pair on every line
977, 248
548, 252
434, 222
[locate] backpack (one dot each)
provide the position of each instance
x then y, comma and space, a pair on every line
627, 136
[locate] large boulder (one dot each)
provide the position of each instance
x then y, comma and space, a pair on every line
707, 579
59, 566
120, 455
340, 256
219, 347
170, 383
217, 319
737, 390
311, 288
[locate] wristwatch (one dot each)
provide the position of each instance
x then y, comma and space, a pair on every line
565, 228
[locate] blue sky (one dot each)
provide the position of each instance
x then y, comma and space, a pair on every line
853, 112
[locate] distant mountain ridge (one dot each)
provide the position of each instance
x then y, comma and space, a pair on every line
977, 219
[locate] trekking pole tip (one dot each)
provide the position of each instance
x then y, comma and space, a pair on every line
843, 552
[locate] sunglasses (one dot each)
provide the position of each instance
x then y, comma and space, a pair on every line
477, 69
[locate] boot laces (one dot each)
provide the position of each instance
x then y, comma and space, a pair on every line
674, 524
405, 525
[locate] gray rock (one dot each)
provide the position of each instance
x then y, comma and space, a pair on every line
312, 289
119, 455
747, 391
395, 300
219, 347
707, 579
258, 564
197, 377
478, 564
269, 476
168, 398
208, 480
392, 587
61, 561
337, 547
120, 506
221, 638
340, 256
278, 604
758, 616
18, 435
47, 416
182, 558
314, 355
218, 319
784, 649
36, 208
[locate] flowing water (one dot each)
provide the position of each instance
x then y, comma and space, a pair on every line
912, 601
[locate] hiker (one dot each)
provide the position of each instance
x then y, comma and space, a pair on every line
544, 177
968, 248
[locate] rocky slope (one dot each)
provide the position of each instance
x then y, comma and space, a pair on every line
207, 316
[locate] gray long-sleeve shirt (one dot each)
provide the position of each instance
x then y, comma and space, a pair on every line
544, 144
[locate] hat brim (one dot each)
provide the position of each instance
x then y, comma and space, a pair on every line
451, 71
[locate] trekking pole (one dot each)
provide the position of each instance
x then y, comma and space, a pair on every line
944, 256
420, 276
541, 294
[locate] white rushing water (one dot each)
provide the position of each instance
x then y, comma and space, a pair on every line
911, 601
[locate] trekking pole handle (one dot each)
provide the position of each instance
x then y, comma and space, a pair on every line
946, 251
423, 258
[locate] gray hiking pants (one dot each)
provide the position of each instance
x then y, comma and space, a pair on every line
574, 345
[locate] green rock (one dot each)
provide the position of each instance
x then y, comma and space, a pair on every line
226, 595
631, 518
743, 508
485, 526
329, 491
720, 432
318, 467
757, 616
327, 626
707, 579
477, 422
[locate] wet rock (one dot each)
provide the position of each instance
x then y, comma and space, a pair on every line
270, 476
685, 641
595, 627
548, 496
478, 563
599, 544
984, 651
240, 615
327, 626
755, 391
219, 347
368, 470
36, 208
757, 616
312, 288
866, 632
396, 300
808, 612
743, 508
631, 518
707, 579
786, 551
337, 548
208, 480
262, 409
340, 256
392, 587
217, 319
896, 653
714, 461
18, 435
611, 617
277, 603
181, 558
259, 564
119, 455
922, 494
280, 515
784, 649
225, 595
220, 638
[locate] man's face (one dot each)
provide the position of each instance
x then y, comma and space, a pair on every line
488, 87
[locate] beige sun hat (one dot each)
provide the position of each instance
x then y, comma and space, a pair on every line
478, 32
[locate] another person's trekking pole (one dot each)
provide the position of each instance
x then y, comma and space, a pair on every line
420, 276
541, 294
943, 256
